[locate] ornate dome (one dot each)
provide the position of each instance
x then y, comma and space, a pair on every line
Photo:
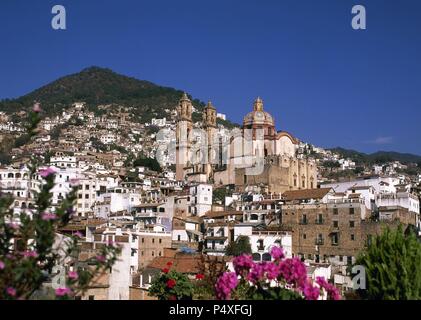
258, 116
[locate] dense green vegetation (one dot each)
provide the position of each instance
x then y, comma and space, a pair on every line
98, 86
150, 163
393, 267
239, 247
377, 157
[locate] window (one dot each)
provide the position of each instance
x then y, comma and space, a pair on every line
91, 297
351, 224
351, 210
266, 257
335, 239
160, 241
295, 182
143, 240
153, 240
335, 211
178, 238
78, 298
87, 186
86, 196
352, 237
153, 254
335, 223
304, 236
260, 245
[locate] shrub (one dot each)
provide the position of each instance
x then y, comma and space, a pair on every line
28, 248
393, 267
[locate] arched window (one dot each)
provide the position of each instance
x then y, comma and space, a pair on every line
256, 257
10, 175
23, 205
266, 257
18, 175
254, 217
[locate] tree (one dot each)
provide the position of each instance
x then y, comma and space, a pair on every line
150, 163
393, 266
239, 247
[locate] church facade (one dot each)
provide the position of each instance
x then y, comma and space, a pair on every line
255, 157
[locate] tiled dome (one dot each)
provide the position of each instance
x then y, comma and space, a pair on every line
258, 116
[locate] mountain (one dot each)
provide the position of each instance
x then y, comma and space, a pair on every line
100, 86
377, 157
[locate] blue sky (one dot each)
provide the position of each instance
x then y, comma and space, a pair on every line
323, 81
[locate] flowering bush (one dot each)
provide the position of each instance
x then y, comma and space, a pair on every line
171, 285
30, 247
281, 278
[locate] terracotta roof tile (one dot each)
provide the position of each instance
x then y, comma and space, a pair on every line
305, 194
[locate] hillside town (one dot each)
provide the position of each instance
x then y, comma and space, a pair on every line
178, 190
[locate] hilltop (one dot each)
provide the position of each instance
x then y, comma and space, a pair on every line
100, 86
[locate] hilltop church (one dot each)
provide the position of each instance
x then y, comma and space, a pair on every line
255, 157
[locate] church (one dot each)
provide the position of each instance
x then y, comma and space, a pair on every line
255, 157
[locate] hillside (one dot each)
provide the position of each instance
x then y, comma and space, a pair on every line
377, 157
99, 86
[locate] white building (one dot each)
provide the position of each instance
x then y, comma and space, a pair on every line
262, 241
200, 199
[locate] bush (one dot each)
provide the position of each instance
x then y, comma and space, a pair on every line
171, 285
280, 279
393, 267
239, 247
28, 248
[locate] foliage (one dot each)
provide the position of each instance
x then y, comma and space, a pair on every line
219, 195
393, 267
99, 86
377, 157
150, 163
30, 245
279, 279
171, 285
239, 247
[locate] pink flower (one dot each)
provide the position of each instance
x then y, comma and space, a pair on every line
61, 292
36, 108
2, 265
30, 254
225, 285
45, 173
48, 216
257, 272
242, 263
78, 234
293, 271
277, 253
272, 270
331, 290
100, 258
13, 226
310, 292
11, 291
73, 275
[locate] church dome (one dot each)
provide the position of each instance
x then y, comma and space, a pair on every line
258, 116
